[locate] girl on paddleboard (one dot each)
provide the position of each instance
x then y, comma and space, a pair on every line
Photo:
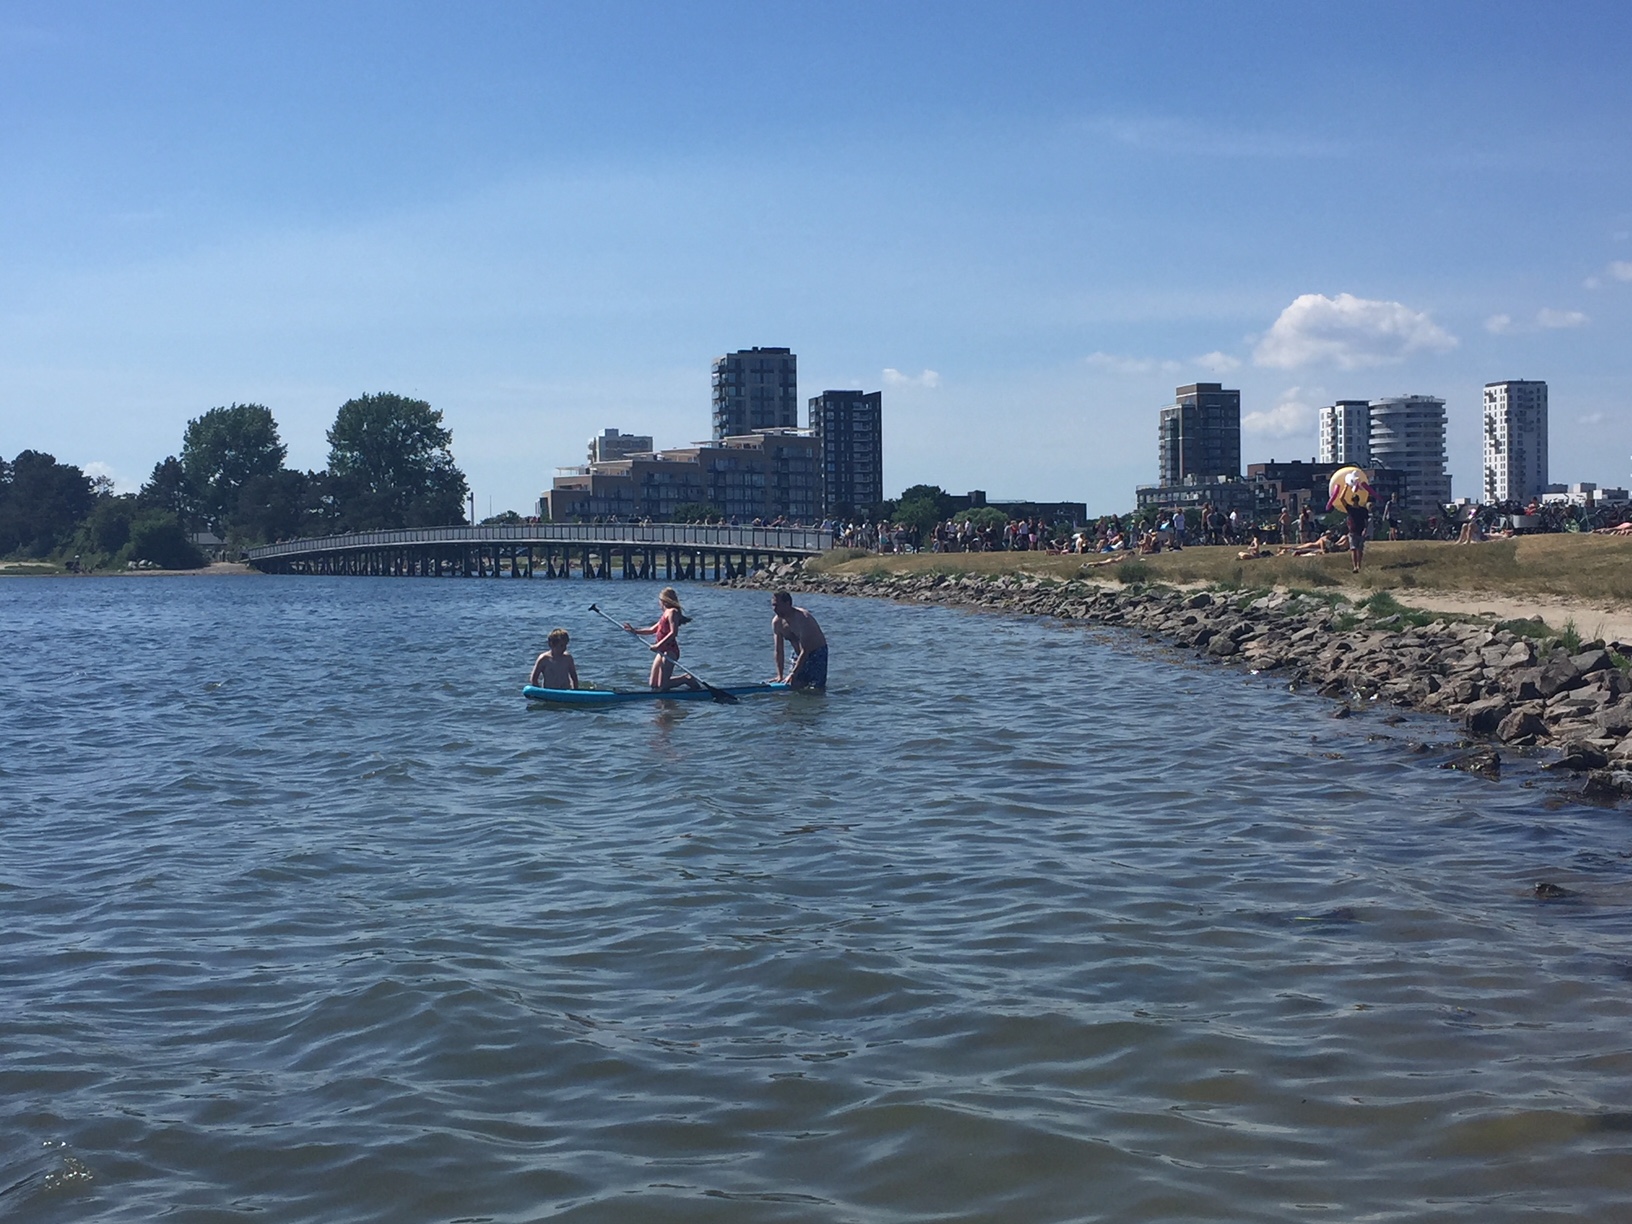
665, 637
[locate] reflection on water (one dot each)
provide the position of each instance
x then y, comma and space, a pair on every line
310, 915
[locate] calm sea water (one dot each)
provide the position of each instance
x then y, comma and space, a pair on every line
308, 916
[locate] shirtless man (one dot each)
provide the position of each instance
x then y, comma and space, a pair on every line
798, 628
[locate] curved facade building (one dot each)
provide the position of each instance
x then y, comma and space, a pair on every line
1408, 434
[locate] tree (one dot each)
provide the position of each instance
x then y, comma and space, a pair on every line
169, 489
107, 528
389, 458
225, 448
275, 506
922, 506
697, 512
157, 536
983, 516
41, 503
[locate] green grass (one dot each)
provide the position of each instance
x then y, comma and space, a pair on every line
1569, 565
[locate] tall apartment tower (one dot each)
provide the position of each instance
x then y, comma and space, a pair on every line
755, 388
1199, 435
1515, 440
850, 427
1408, 434
1345, 433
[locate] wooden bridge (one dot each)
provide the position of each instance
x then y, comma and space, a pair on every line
670, 551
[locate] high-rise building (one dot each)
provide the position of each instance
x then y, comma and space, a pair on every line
1199, 435
1515, 440
1345, 433
614, 445
755, 388
849, 426
1408, 433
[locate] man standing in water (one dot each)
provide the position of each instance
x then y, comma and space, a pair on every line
796, 627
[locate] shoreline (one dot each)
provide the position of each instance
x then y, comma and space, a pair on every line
215, 569
1501, 687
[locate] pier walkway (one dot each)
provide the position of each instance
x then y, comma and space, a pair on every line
671, 551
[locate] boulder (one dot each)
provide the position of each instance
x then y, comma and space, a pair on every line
1485, 762
1483, 717
1589, 661
1556, 676
1521, 727
1579, 758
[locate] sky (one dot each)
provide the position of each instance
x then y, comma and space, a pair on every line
1024, 223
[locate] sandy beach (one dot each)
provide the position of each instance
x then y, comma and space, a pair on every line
1612, 623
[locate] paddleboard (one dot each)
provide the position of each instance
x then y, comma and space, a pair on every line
601, 697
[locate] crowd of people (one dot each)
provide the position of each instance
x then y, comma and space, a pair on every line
1174, 528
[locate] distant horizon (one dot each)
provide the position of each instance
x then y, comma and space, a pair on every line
1024, 225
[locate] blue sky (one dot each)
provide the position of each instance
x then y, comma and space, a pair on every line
1024, 223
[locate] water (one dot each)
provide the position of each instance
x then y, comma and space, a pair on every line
309, 917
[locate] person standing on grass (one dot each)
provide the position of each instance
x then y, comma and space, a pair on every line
1359, 516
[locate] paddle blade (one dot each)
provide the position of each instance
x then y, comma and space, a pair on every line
721, 696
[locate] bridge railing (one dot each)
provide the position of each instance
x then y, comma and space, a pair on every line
808, 540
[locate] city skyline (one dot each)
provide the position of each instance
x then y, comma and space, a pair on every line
1021, 224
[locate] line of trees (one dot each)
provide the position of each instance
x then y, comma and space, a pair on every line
389, 466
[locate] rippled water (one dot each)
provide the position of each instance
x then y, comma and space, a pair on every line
307, 916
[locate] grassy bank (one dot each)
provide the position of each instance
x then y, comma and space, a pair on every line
1585, 567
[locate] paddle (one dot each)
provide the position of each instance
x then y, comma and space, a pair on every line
716, 694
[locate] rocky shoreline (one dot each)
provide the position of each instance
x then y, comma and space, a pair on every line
1503, 688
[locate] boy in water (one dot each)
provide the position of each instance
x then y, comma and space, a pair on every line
555, 668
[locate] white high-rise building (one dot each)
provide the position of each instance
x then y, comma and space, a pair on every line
1345, 433
1408, 434
1515, 440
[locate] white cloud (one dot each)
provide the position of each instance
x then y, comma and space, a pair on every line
96, 468
1217, 362
1546, 319
1592, 418
1132, 365
1551, 319
1621, 270
1289, 418
928, 380
1349, 332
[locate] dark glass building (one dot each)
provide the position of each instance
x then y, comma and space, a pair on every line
755, 388
1199, 435
850, 427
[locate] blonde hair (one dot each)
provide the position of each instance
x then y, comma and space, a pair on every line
670, 598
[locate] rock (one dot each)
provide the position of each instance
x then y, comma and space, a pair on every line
1548, 891
1556, 676
1485, 716
1222, 645
1615, 719
1589, 661
1521, 727
1520, 654
1342, 711
1482, 761
1607, 785
1579, 758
